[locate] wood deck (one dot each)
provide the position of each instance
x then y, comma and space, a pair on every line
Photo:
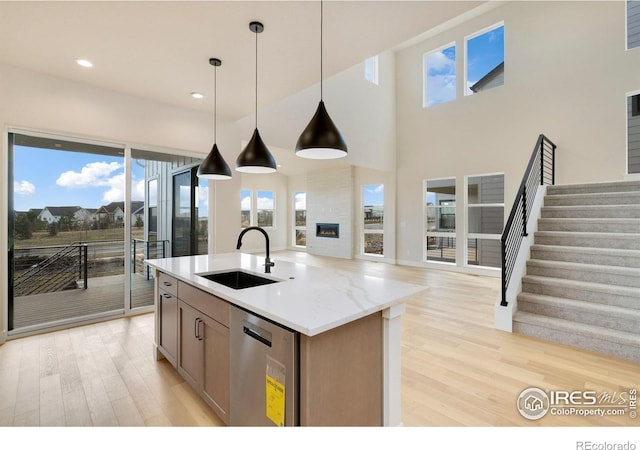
103, 295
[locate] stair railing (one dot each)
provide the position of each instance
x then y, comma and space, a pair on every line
540, 171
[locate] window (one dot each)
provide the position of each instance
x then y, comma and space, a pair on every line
300, 219
245, 208
371, 69
633, 134
265, 209
153, 206
440, 220
373, 219
633, 24
439, 68
485, 60
485, 217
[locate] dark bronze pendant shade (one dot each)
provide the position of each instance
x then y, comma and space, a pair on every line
256, 157
321, 139
214, 167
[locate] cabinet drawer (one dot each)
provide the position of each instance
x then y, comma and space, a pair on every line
209, 304
168, 284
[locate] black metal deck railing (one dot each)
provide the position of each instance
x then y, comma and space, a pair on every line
540, 171
60, 269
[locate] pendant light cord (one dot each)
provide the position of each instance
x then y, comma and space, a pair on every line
215, 103
256, 80
321, 52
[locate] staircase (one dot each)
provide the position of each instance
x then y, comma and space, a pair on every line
582, 286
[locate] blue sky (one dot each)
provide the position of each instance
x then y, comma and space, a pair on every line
484, 52
373, 195
58, 178
44, 177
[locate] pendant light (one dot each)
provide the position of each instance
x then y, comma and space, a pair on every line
321, 139
214, 167
256, 158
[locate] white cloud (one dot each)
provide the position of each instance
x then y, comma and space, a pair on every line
440, 88
265, 203
300, 200
93, 174
245, 203
439, 62
115, 193
137, 194
24, 188
203, 196
377, 189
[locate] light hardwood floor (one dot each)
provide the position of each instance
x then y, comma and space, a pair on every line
457, 370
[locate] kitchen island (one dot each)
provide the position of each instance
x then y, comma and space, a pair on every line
345, 327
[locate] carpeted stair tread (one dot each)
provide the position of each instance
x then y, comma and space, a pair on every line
614, 336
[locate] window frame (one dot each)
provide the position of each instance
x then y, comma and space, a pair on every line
465, 62
362, 223
375, 69
273, 209
469, 206
251, 221
426, 234
295, 228
425, 74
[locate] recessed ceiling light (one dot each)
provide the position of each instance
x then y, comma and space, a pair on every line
84, 62
197, 95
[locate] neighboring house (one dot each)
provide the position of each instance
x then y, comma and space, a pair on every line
36, 211
53, 214
494, 78
137, 213
114, 211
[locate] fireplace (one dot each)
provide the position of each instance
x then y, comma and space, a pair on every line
329, 230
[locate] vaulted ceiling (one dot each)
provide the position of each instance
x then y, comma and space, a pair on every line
160, 50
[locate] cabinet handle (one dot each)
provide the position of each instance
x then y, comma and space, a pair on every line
197, 329
166, 283
167, 295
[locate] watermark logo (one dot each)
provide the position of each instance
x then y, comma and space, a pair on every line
534, 403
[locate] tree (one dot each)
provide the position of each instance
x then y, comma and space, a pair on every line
23, 227
66, 222
53, 229
139, 222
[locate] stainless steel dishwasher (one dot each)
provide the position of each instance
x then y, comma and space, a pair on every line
263, 371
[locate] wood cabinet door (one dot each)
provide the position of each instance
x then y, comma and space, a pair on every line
216, 367
190, 346
168, 310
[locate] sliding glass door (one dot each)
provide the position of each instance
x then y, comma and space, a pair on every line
83, 217
66, 231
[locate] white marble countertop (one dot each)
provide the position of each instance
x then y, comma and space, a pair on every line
307, 299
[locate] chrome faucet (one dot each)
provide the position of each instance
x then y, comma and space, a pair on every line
268, 264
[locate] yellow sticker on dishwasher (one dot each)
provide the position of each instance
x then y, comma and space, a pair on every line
275, 391
275, 401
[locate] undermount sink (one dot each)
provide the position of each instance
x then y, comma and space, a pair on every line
237, 279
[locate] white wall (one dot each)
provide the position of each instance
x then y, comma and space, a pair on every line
566, 74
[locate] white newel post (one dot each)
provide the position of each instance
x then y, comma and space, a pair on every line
392, 377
